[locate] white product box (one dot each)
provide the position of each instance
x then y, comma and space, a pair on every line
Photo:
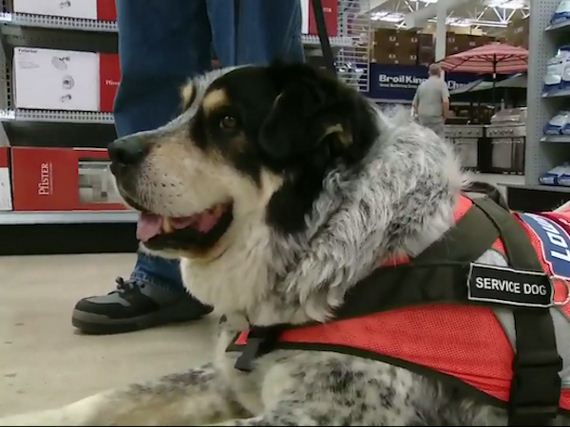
70, 8
5, 187
56, 79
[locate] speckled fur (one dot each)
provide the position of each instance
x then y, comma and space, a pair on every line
398, 201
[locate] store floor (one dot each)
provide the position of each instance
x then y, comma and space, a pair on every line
45, 363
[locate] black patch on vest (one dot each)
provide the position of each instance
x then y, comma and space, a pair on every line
508, 286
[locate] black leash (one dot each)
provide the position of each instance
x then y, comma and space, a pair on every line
323, 35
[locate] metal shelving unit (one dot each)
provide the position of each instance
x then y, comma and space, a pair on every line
64, 23
557, 93
55, 116
542, 152
67, 217
558, 26
563, 139
542, 187
22, 127
57, 22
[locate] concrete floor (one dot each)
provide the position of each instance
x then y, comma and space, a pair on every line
44, 363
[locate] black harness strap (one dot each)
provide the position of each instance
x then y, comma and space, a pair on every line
536, 385
426, 279
474, 227
323, 35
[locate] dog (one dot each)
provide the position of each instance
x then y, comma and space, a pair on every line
279, 188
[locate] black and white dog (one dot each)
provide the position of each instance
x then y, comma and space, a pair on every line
280, 188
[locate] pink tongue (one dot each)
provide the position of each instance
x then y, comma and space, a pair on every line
203, 222
148, 226
207, 221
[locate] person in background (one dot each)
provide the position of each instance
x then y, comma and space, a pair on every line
431, 102
161, 45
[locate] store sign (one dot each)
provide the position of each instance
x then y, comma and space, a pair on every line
400, 82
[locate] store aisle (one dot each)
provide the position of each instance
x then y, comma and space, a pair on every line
45, 363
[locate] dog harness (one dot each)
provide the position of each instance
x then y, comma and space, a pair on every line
503, 333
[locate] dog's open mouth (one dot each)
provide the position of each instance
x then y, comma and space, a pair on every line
199, 231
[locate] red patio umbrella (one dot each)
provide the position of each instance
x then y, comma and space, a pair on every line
493, 58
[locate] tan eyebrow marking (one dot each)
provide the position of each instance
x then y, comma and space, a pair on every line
216, 98
188, 95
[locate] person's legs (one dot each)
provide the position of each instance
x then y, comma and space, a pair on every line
256, 31
161, 44
436, 124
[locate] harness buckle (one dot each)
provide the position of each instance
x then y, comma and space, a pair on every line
566, 283
244, 362
260, 340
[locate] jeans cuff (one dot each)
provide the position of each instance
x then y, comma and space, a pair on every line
172, 285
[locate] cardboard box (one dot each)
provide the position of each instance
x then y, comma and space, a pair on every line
45, 179
87, 9
56, 79
389, 37
396, 59
395, 47
483, 40
426, 56
405, 50
5, 187
456, 43
386, 58
425, 41
411, 59
517, 32
308, 22
65, 80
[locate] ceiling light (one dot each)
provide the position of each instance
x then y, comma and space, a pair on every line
459, 22
387, 16
508, 4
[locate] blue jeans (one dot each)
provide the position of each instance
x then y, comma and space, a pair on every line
163, 43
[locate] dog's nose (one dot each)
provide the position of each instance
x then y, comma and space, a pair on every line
128, 151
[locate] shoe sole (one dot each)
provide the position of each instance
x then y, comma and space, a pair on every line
99, 324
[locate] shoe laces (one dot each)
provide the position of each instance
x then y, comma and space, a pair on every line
126, 285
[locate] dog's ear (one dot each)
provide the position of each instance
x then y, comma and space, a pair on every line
312, 112
316, 122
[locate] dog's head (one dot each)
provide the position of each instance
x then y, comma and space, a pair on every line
253, 142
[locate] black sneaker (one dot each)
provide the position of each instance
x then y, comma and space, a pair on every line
135, 305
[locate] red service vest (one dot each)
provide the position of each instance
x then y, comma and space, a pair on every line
466, 343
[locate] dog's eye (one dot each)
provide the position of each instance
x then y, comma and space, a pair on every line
228, 122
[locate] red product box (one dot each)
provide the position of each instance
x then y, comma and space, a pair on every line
330, 11
109, 78
5, 188
106, 10
45, 179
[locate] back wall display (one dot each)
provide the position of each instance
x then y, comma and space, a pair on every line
399, 82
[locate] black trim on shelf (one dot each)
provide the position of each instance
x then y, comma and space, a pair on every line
536, 198
52, 239
560, 139
54, 38
542, 187
53, 134
560, 93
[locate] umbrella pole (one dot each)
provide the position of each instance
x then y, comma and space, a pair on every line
494, 79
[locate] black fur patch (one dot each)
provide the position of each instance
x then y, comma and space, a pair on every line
293, 120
